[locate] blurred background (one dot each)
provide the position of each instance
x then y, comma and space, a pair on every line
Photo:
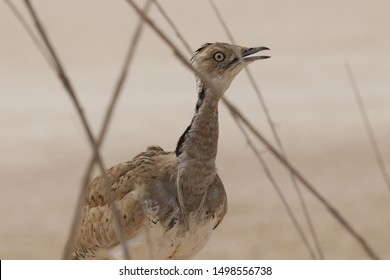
44, 150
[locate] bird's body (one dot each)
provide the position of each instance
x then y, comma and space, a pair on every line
146, 195
168, 202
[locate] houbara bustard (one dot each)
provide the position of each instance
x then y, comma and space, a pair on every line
168, 202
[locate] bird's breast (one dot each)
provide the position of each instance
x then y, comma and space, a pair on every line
169, 238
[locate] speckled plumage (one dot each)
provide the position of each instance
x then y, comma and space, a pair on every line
168, 202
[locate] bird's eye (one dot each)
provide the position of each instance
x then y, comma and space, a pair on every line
218, 56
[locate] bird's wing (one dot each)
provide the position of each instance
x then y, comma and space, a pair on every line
128, 182
217, 200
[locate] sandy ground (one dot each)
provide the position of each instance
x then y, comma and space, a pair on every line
44, 151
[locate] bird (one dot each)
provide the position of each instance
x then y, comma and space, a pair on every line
169, 202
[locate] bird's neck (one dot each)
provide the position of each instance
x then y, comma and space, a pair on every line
197, 147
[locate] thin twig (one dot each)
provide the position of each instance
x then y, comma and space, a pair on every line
104, 127
278, 142
63, 77
31, 34
276, 187
303, 180
261, 138
173, 26
167, 41
367, 124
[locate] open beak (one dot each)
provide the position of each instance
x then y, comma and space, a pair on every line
249, 51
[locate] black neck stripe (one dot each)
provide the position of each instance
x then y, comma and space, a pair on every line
201, 95
183, 137
181, 141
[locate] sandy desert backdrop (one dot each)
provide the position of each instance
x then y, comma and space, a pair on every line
44, 150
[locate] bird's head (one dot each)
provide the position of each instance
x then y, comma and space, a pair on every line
221, 62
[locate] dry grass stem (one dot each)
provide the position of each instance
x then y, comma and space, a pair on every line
63, 77
173, 26
277, 188
367, 125
282, 149
333, 211
32, 35
106, 121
